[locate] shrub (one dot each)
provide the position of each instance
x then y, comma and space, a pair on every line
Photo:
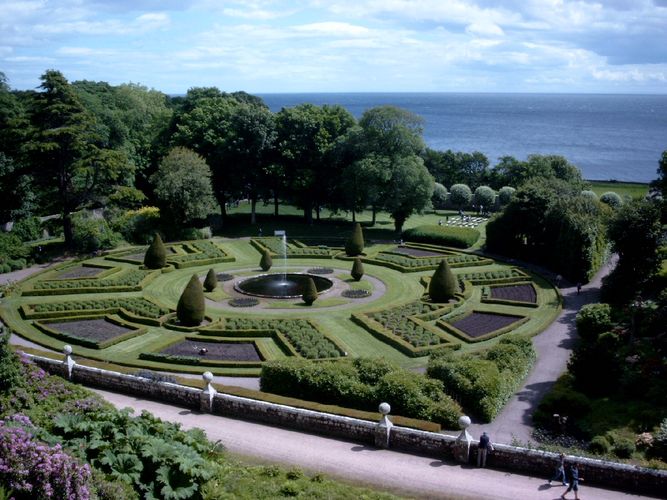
443, 284
589, 194
505, 194
458, 237
28, 229
660, 440
191, 305
460, 195
136, 226
593, 320
485, 196
266, 262
156, 254
355, 244
563, 399
357, 269
624, 448
599, 445
90, 234
10, 370
612, 199
439, 198
211, 280
310, 292
34, 470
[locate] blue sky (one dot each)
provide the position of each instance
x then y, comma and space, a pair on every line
261, 46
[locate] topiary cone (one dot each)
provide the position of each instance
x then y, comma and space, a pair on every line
310, 292
357, 269
443, 284
191, 307
156, 255
266, 262
355, 244
211, 280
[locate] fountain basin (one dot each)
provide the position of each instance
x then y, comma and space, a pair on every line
281, 286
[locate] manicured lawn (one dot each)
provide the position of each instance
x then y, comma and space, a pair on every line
623, 189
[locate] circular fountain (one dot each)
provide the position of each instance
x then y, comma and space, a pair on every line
281, 285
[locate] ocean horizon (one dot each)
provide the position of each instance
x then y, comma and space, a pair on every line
608, 136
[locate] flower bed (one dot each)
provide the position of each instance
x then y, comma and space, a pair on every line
136, 305
479, 324
219, 351
96, 332
123, 281
515, 293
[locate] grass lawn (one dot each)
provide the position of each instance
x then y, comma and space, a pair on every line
623, 189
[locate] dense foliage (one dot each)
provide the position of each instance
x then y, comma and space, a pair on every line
363, 384
483, 384
457, 237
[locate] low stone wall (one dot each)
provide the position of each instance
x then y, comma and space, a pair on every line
510, 458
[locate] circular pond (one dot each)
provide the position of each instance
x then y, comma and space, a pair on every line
281, 286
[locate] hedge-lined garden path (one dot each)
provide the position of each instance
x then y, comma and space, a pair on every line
409, 475
554, 347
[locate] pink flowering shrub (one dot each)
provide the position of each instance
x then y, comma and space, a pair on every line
35, 470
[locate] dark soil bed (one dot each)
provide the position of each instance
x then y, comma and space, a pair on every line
98, 330
479, 324
519, 293
416, 252
79, 272
218, 351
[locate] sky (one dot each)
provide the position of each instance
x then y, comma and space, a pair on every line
275, 46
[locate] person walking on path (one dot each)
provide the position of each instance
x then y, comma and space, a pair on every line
483, 449
573, 477
560, 470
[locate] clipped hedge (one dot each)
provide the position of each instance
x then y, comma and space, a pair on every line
362, 384
132, 280
458, 237
483, 385
84, 342
136, 305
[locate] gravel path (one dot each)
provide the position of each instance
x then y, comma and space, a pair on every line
401, 473
553, 346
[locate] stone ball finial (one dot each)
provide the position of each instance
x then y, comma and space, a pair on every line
464, 421
67, 349
207, 376
384, 408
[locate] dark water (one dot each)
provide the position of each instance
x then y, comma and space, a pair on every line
617, 137
282, 286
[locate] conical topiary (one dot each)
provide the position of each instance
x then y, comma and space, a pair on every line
211, 280
443, 283
310, 292
355, 244
357, 269
266, 262
156, 255
191, 307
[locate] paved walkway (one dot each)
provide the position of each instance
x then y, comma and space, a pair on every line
554, 346
400, 473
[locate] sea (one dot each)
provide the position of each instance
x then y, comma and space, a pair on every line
608, 136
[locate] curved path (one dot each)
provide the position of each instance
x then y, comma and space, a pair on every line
410, 475
554, 346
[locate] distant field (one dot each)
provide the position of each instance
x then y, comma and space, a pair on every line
624, 189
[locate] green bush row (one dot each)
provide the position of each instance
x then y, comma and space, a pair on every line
308, 340
197, 361
483, 384
280, 340
129, 278
135, 305
202, 253
458, 237
494, 277
275, 246
362, 383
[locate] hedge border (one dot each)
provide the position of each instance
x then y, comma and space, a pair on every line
48, 292
281, 341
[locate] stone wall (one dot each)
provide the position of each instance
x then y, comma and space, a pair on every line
440, 446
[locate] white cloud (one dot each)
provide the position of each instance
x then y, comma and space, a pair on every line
335, 29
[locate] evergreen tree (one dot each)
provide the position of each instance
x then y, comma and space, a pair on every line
357, 269
191, 306
355, 244
266, 261
310, 292
211, 280
156, 255
443, 284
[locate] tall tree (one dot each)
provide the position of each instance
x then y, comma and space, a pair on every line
183, 186
65, 154
409, 189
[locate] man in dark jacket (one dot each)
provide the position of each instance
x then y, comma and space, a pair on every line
483, 448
